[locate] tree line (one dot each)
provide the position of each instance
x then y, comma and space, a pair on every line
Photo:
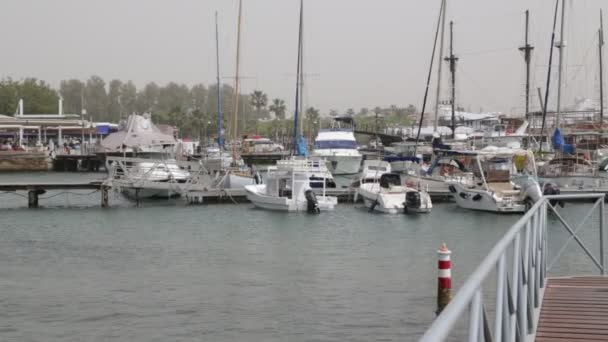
192, 109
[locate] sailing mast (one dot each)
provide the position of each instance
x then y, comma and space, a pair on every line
236, 84
298, 106
527, 49
428, 80
601, 47
439, 74
561, 45
452, 60
220, 136
546, 104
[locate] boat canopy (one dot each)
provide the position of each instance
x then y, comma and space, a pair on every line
559, 143
139, 131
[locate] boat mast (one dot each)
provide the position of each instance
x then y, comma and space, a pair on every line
561, 45
297, 113
220, 137
542, 127
452, 60
236, 84
428, 80
527, 49
439, 74
601, 47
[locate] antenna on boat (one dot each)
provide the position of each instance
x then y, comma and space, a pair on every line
439, 73
236, 84
542, 127
452, 60
527, 50
428, 80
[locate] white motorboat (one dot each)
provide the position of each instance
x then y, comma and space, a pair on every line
288, 188
371, 170
391, 197
495, 190
339, 147
446, 167
147, 178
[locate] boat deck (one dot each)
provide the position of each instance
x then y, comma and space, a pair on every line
574, 309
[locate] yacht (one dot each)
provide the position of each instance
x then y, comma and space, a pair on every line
389, 196
338, 146
288, 187
494, 189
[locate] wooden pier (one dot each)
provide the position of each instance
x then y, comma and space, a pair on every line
76, 162
34, 190
574, 309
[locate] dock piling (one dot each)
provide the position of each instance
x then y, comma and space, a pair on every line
444, 279
105, 199
32, 199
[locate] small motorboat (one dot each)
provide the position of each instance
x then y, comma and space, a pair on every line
389, 196
288, 188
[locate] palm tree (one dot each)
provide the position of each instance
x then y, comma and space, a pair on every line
258, 100
278, 108
312, 118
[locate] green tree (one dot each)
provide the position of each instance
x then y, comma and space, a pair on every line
72, 92
198, 95
258, 100
173, 96
147, 98
38, 97
312, 121
96, 99
115, 109
278, 108
128, 98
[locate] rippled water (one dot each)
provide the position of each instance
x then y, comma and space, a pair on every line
165, 271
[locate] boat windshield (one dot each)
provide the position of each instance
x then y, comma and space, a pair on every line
335, 144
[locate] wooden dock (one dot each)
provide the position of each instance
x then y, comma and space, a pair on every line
34, 189
574, 309
76, 162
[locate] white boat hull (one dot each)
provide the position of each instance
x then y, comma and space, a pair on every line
256, 194
391, 203
343, 165
482, 200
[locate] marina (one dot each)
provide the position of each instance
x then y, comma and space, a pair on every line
226, 175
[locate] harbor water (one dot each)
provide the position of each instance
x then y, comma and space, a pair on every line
167, 271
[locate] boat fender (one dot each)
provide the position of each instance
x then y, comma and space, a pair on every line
452, 189
312, 203
551, 188
476, 197
463, 195
257, 178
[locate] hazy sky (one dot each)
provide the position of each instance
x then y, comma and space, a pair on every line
359, 53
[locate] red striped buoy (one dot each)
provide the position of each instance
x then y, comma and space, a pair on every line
444, 278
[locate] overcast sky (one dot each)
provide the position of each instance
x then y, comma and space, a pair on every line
359, 53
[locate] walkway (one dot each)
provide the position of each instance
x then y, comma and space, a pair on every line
574, 309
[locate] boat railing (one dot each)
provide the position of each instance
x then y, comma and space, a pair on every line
517, 266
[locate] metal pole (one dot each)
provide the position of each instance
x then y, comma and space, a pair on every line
527, 49
561, 45
452, 60
220, 136
602, 234
601, 46
236, 85
439, 74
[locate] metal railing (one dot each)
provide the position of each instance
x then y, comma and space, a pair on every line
520, 262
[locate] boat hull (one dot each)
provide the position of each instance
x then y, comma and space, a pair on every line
256, 194
343, 165
392, 203
485, 201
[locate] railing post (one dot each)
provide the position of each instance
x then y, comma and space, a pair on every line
475, 317
500, 288
602, 245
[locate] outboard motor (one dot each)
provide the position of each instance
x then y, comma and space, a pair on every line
312, 204
412, 200
551, 188
257, 178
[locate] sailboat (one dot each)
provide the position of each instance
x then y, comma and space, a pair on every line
289, 185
